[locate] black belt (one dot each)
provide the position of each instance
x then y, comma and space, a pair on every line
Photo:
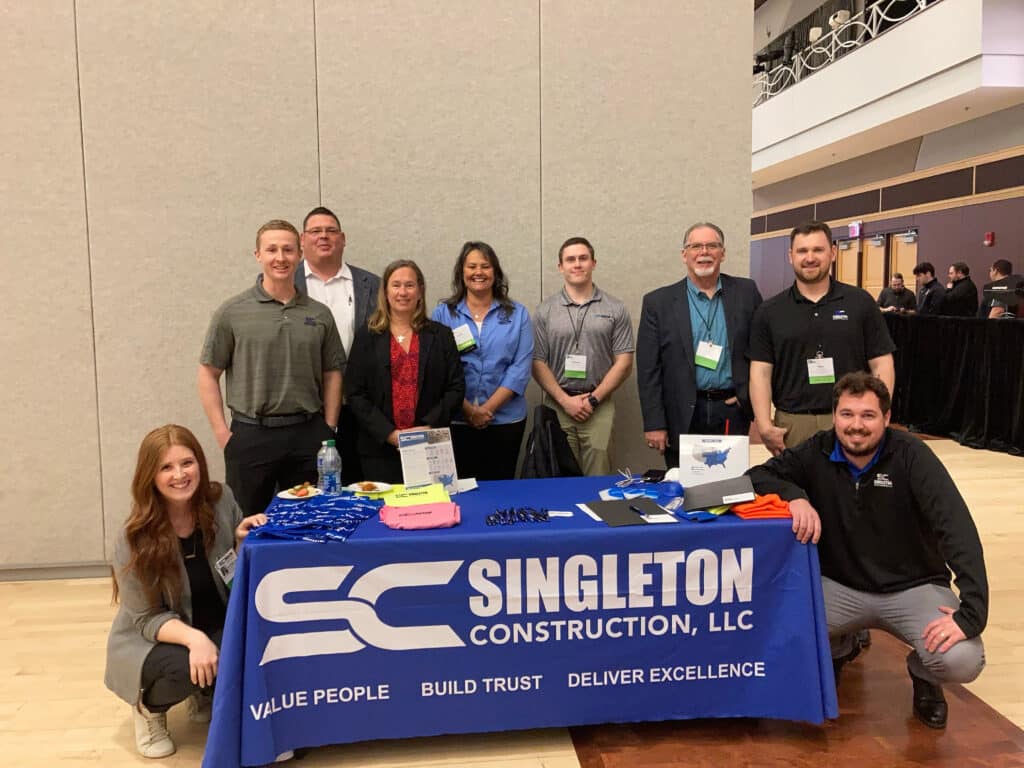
574, 392
285, 420
715, 394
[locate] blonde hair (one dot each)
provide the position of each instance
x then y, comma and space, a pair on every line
380, 320
277, 225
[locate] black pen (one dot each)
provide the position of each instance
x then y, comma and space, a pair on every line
638, 511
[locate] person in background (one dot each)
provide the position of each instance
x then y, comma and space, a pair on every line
961, 299
349, 292
929, 291
404, 372
172, 597
991, 308
895, 297
495, 340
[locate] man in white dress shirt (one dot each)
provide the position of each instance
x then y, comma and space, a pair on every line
351, 294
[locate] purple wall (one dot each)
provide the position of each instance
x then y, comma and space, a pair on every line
943, 237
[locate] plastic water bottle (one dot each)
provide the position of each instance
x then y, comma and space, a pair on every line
328, 467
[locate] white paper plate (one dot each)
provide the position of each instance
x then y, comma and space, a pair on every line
364, 487
313, 491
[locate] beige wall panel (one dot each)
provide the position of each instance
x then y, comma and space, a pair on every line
429, 133
199, 125
646, 129
49, 417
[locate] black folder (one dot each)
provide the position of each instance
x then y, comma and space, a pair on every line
732, 491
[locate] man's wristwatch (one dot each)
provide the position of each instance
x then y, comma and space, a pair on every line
594, 402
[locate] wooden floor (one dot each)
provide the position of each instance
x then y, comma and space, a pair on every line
54, 710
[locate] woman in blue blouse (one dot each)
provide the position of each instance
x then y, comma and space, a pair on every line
495, 339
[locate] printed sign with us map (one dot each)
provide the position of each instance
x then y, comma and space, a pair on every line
706, 458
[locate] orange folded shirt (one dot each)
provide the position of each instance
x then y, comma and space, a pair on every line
764, 507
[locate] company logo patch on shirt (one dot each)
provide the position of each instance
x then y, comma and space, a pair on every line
882, 481
840, 314
310, 321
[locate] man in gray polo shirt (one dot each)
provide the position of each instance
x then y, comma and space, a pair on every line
283, 358
582, 352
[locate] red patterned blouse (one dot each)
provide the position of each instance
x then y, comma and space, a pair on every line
404, 376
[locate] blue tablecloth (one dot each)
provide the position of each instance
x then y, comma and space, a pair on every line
488, 628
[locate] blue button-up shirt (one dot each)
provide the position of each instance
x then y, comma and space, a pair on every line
707, 322
503, 355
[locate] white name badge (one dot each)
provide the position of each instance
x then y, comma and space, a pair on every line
225, 566
708, 354
463, 338
821, 371
575, 366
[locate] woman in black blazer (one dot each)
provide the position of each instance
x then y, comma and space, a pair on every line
403, 372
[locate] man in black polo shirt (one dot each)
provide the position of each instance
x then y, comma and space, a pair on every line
283, 357
808, 336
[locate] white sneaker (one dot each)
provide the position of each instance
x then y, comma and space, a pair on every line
284, 757
151, 737
200, 707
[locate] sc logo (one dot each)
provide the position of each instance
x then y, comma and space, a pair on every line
366, 627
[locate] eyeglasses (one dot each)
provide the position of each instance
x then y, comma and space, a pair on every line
316, 232
698, 247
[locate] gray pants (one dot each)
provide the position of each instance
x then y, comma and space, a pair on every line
903, 615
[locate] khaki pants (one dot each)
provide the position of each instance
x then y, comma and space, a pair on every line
801, 426
589, 439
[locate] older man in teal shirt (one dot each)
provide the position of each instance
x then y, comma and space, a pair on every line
692, 371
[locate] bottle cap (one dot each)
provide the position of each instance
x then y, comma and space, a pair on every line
330, 443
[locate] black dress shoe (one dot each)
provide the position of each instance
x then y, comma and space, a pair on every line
929, 703
838, 662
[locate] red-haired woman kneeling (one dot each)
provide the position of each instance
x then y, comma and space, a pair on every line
163, 645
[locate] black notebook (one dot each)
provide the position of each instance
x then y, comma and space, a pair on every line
623, 511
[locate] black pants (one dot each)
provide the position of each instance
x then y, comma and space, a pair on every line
710, 418
259, 461
490, 453
351, 462
383, 467
165, 675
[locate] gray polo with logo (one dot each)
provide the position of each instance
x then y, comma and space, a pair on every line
274, 355
599, 328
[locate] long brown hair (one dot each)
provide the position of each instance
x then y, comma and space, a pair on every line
155, 550
380, 320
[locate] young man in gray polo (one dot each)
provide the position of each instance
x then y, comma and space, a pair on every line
283, 358
582, 352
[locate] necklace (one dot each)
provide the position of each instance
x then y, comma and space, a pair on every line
189, 555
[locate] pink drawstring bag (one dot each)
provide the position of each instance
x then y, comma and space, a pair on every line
436, 515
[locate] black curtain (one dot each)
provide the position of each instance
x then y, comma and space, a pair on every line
961, 377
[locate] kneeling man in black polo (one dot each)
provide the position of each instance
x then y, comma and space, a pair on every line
892, 525
283, 357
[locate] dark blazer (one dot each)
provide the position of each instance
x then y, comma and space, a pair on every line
666, 374
440, 387
364, 284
